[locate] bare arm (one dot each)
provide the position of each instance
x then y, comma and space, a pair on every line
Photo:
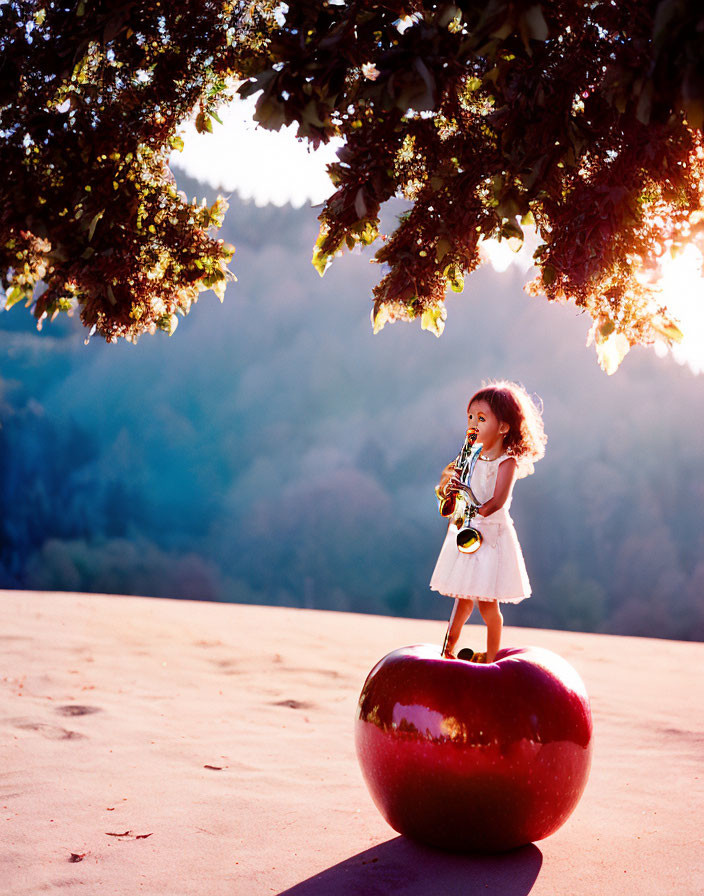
504, 482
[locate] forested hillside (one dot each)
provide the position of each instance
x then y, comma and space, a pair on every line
274, 451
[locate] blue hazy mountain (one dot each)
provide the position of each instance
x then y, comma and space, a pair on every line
274, 450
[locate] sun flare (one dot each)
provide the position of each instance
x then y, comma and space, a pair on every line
678, 284
681, 288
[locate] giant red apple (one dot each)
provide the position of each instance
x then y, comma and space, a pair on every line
472, 757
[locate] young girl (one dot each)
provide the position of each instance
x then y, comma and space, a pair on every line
510, 429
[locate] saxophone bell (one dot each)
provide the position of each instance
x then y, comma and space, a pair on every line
469, 539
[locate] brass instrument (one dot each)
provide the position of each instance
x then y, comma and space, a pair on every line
460, 502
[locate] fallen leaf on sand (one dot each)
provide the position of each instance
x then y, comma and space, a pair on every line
77, 856
217, 768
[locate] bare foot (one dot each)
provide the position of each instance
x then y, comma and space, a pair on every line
479, 658
449, 655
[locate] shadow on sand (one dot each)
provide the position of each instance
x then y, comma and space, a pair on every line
402, 866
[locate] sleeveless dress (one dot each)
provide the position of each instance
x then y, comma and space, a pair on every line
497, 570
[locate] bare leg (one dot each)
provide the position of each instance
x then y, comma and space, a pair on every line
461, 612
491, 614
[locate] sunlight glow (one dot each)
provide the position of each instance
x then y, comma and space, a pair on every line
501, 255
679, 285
682, 290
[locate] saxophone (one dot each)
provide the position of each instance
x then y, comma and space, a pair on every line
461, 503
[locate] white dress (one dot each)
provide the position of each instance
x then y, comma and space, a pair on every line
494, 572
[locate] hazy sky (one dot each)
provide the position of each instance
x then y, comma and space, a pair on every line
266, 166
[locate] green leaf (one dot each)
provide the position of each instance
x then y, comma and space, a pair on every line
320, 260
442, 248
454, 277
219, 288
448, 15
511, 231
93, 223
15, 295
368, 233
380, 317
611, 351
606, 329
269, 113
668, 329
549, 275
203, 123
433, 319
360, 206
168, 323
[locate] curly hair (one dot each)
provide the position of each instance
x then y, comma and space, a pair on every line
525, 439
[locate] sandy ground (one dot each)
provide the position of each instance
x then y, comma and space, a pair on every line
174, 747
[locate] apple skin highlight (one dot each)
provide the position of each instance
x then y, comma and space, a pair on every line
470, 757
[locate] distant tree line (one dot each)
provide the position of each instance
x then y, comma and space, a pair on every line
279, 456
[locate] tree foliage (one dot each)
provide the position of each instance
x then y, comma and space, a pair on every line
91, 94
581, 118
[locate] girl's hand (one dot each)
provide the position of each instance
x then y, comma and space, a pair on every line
455, 481
447, 474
